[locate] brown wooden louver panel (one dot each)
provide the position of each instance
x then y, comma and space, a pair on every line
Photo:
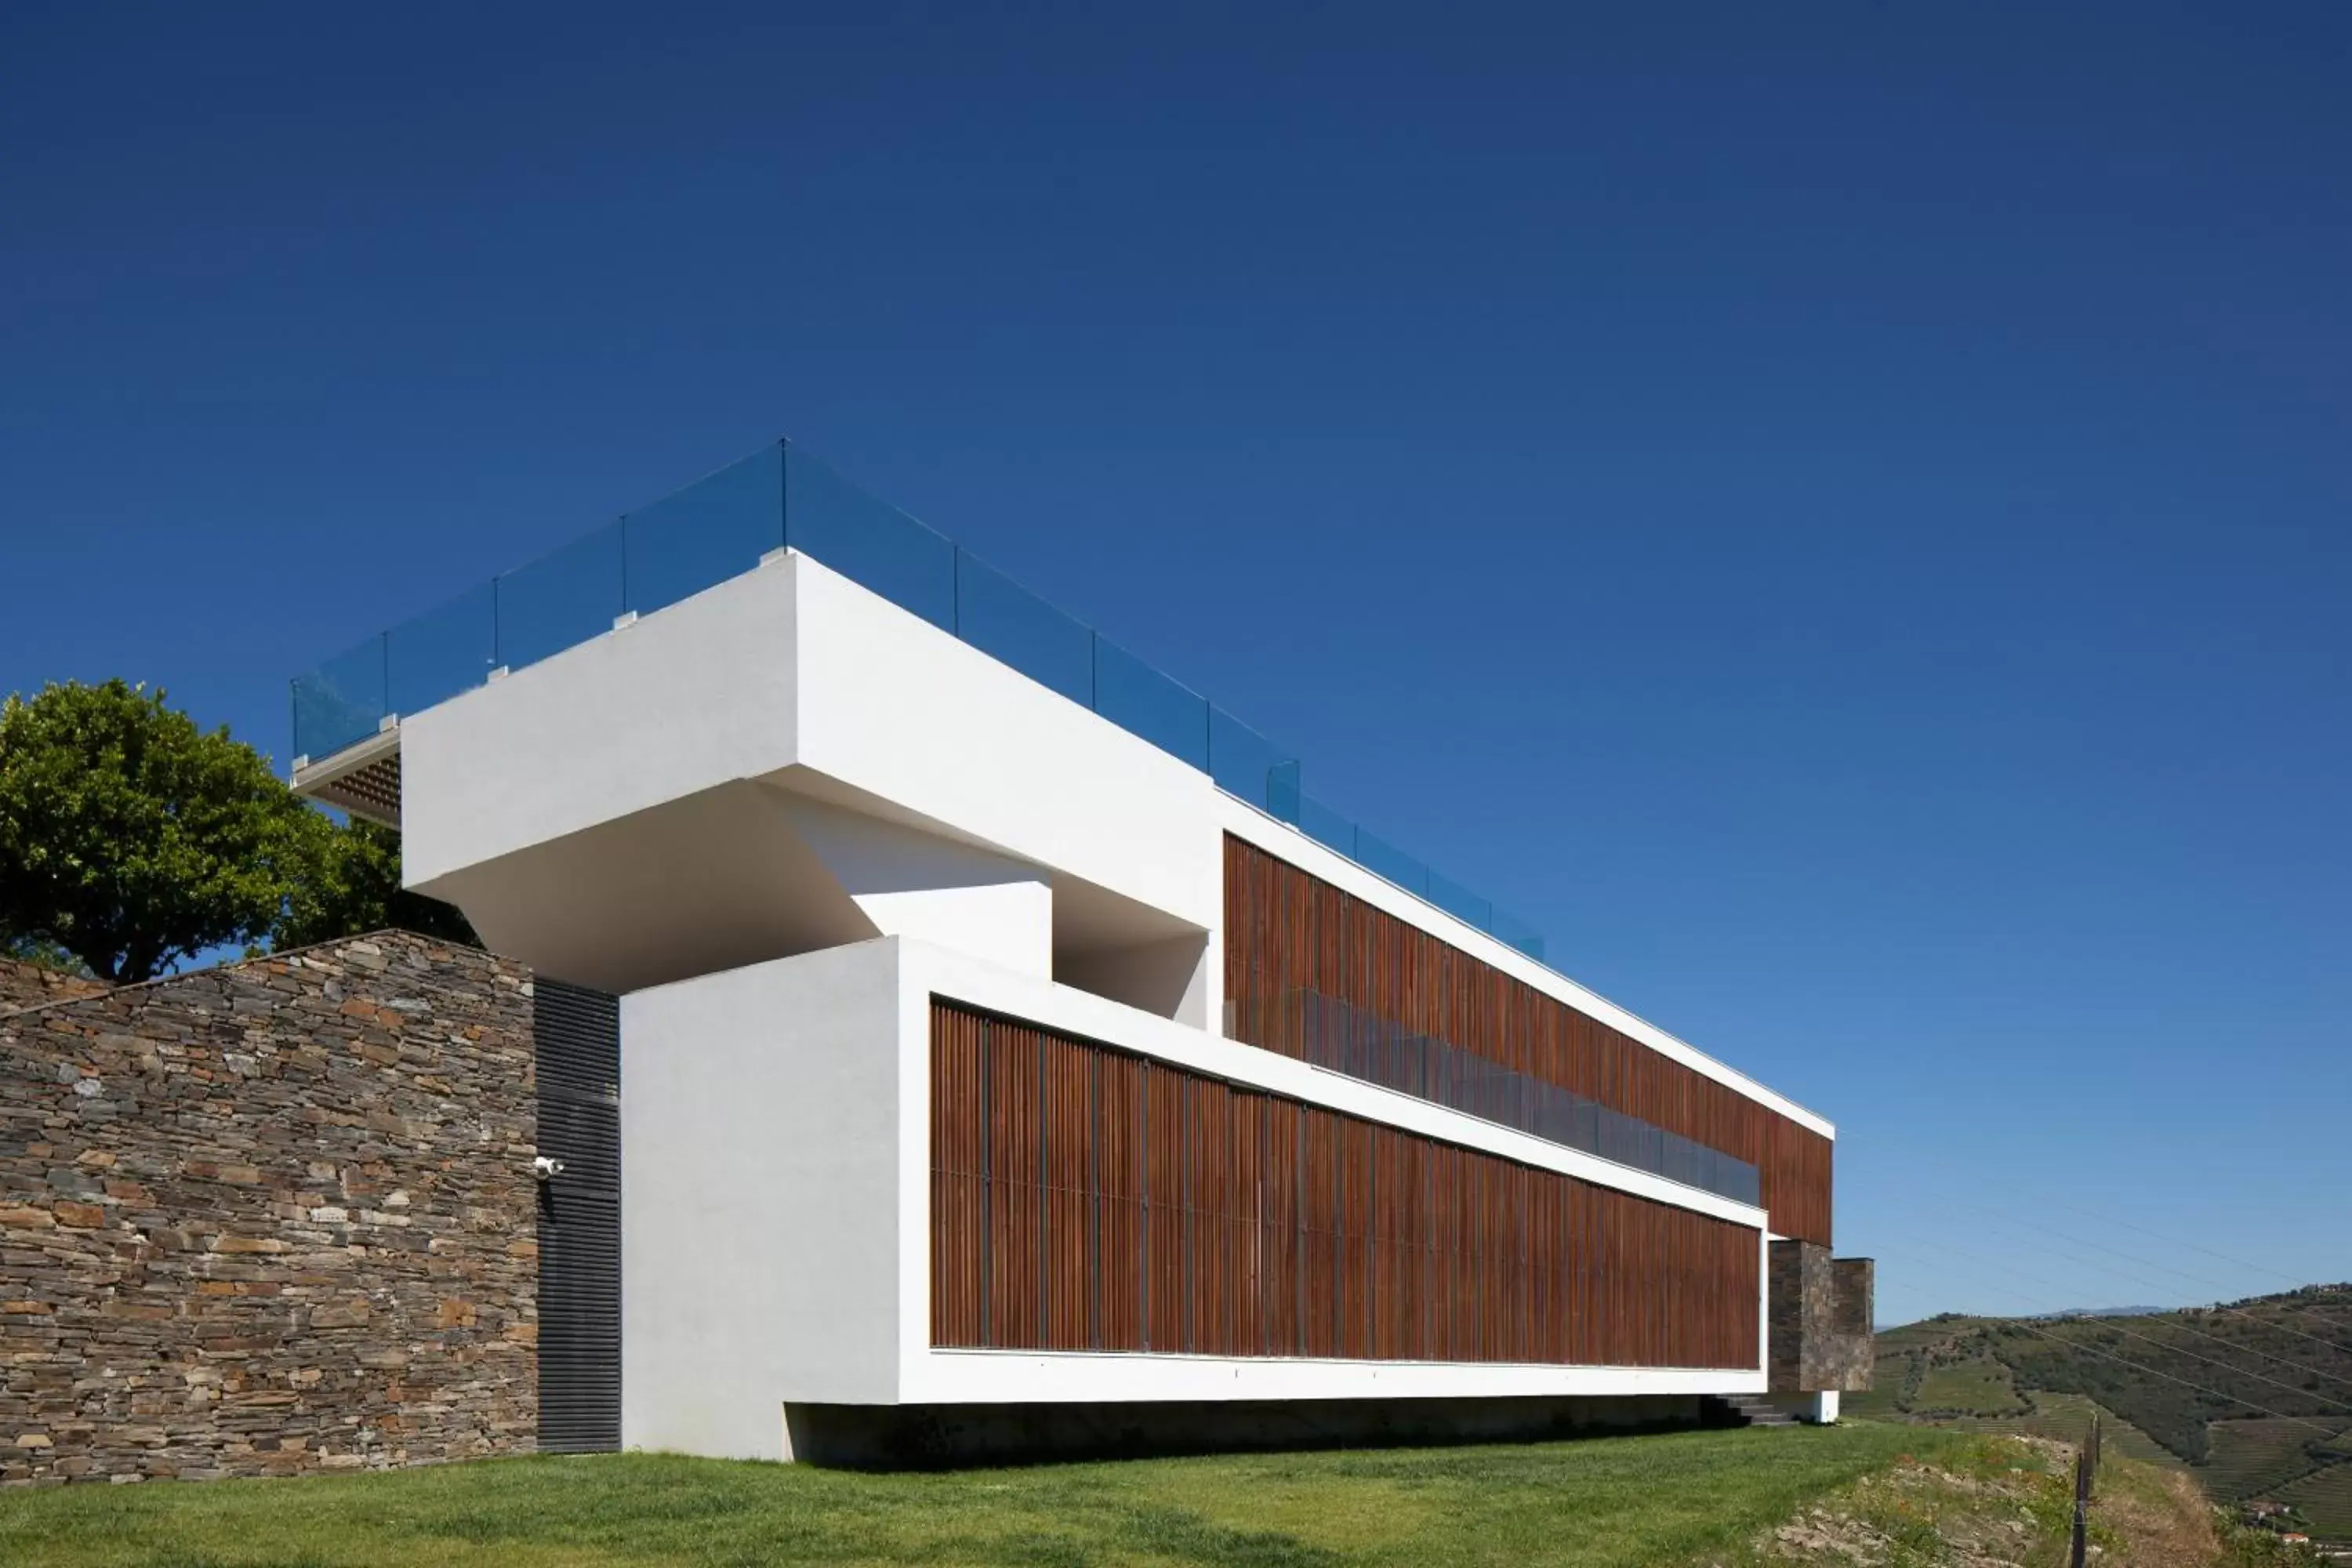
1287, 931
1082, 1198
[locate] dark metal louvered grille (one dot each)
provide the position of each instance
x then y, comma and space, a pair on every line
578, 1047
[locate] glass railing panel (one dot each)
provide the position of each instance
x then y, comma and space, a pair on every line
1576, 1122
1388, 860
1615, 1139
1585, 1126
1245, 763
560, 599
340, 703
444, 651
1142, 701
714, 529
1518, 934
1674, 1161
1283, 798
1014, 626
1458, 901
867, 540
1326, 826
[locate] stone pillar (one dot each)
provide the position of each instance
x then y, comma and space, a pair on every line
1818, 1319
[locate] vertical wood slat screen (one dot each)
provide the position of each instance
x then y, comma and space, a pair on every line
1082, 1198
1287, 930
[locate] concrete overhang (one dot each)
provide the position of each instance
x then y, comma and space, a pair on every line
784, 762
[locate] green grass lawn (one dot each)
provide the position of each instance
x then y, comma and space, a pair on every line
1665, 1498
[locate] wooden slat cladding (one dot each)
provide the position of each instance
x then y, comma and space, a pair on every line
1287, 930
1082, 1198
957, 1181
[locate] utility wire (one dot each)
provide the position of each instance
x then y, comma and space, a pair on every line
2152, 1371
2216, 1307
2112, 1252
2252, 1317
2171, 1349
2160, 1236
2184, 1382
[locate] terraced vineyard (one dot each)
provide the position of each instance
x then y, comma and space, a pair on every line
2248, 1457
1983, 1384
2254, 1397
2324, 1499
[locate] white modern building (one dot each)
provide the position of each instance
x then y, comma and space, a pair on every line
996, 1065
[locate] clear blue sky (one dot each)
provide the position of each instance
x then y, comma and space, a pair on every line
1835, 512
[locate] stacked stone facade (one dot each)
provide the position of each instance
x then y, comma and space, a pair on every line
273, 1217
26, 984
1818, 1321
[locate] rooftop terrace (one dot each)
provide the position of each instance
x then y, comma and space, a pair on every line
784, 497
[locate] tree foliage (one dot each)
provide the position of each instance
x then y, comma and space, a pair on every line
353, 885
132, 840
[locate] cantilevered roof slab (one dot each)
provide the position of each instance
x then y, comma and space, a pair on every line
787, 760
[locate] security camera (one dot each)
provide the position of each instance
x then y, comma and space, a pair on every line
546, 1169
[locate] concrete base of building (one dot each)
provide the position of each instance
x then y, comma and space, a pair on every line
1814, 1409
916, 1435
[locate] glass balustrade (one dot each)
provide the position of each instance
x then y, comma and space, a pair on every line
720, 527
1345, 1039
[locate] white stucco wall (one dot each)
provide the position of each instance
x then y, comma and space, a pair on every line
761, 1122
693, 696
1171, 978
895, 707
911, 883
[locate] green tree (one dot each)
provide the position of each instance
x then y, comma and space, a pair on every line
43, 955
132, 839
353, 885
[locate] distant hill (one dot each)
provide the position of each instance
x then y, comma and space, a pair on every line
2254, 1397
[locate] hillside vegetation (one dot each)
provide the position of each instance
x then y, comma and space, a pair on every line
2254, 1397
2007, 1503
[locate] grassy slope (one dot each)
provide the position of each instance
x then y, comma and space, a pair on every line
2007, 1500
2067, 1418
1934, 1368
1668, 1499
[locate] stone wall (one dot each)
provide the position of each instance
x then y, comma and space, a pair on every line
272, 1218
26, 984
1818, 1321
